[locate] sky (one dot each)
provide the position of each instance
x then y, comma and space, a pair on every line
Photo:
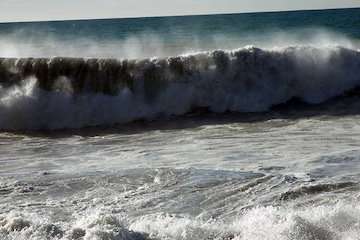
33, 10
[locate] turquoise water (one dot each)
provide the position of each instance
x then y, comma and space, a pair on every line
345, 21
177, 35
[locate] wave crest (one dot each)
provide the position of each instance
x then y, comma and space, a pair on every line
60, 93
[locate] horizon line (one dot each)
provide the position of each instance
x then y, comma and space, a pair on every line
179, 15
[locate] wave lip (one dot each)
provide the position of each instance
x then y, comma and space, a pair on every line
54, 93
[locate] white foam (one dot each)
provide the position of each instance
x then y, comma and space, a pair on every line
319, 74
327, 222
340, 221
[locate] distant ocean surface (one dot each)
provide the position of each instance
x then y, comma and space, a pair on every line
239, 126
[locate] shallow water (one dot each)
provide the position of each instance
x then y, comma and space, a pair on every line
294, 177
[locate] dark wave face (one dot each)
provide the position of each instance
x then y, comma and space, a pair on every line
51, 93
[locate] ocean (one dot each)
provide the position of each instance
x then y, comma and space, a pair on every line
216, 127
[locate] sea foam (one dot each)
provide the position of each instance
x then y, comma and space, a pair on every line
58, 93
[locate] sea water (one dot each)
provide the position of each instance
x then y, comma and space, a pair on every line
241, 126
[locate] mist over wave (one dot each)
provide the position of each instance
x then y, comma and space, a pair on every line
147, 44
55, 93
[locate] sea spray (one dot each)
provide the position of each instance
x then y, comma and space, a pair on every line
55, 93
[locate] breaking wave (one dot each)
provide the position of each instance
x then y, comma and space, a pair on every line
339, 221
57, 93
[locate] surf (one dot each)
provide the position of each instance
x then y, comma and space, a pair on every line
59, 93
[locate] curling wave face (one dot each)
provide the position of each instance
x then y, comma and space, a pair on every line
57, 93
